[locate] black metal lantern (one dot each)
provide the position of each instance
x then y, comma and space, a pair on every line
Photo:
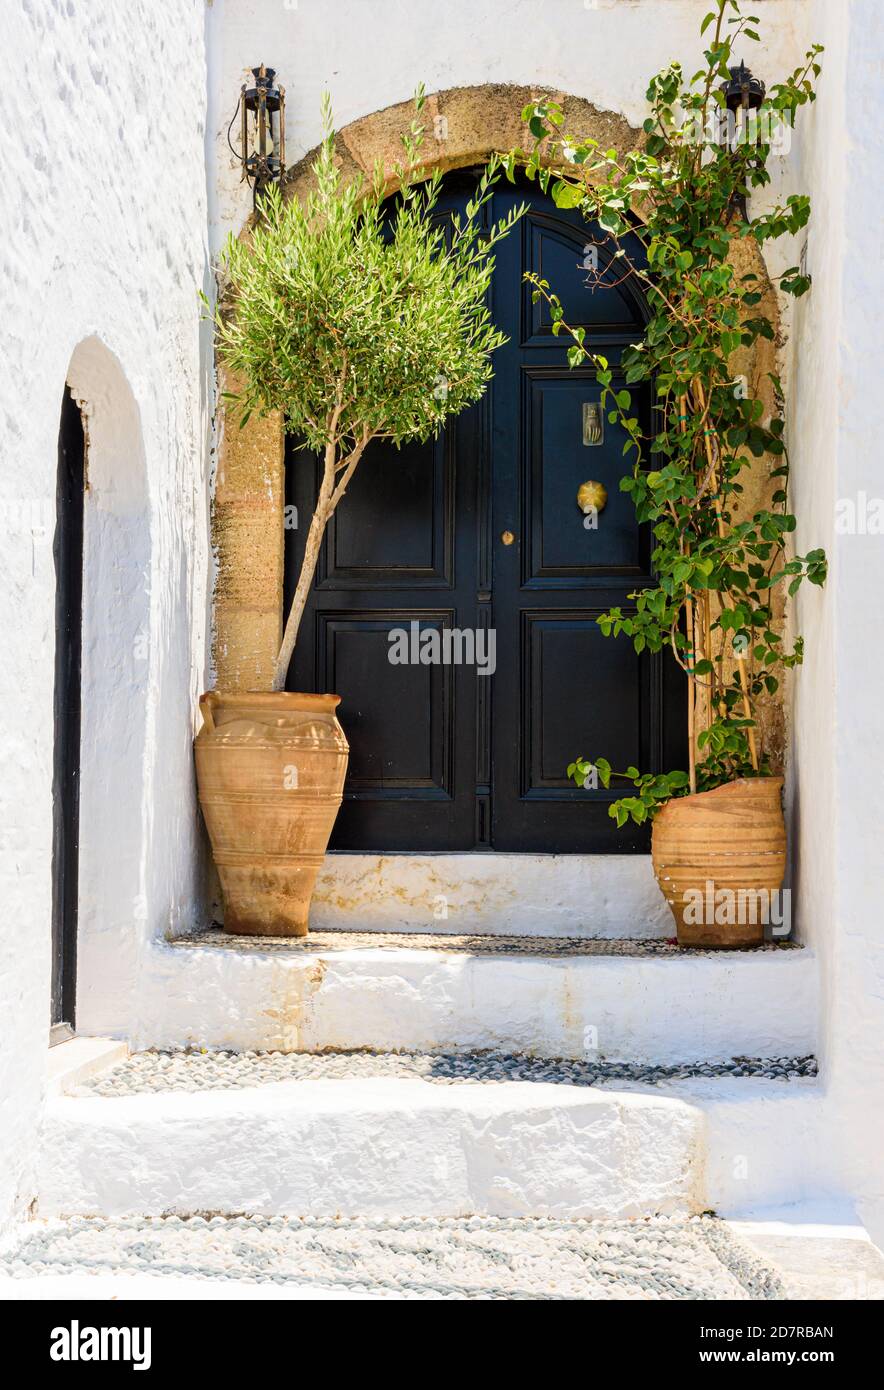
262, 131
742, 93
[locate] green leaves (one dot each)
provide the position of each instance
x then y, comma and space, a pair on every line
652, 792
712, 563
354, 316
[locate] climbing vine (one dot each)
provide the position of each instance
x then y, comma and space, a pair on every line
668, 215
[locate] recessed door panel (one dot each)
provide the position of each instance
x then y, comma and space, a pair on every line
579, 698
398, 716
563, 542
561, 253
397, 527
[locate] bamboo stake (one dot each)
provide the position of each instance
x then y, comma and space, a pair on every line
692, 697
693, 634
741, 660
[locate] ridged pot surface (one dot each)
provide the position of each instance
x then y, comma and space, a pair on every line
718, 857
270, 770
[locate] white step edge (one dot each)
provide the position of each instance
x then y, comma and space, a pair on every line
373, 1146
817, 1259
583, 895
628, 1008
81, 1059
767, 1142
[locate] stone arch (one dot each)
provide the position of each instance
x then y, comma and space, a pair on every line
465, 125
115, 683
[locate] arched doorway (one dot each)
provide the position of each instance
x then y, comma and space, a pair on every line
68, 556
480, 531
114, 813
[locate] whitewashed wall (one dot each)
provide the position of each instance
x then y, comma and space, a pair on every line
102, 252
836, 427
370, 54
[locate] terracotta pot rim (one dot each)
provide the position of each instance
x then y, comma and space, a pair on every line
774, 780
273, 698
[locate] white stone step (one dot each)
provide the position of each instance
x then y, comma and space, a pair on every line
378, 1146
398, 1144
624, 1001
580, 895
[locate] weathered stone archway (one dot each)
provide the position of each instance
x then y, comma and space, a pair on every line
464, 126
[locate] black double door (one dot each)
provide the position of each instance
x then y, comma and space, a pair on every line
68, 557
480, 531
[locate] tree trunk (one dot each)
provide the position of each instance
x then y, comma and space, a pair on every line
318, 523
328, 499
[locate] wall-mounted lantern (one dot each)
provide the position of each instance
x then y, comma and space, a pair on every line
742, 93
262, 131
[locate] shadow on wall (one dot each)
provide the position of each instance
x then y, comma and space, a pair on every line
114, 827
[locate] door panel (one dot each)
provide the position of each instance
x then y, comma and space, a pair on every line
554, 245
559, 546
444, 758
390, 756
397, 527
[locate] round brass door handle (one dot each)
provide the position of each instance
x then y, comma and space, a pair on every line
507, 537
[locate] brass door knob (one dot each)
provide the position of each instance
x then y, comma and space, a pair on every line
507, 537
592, 495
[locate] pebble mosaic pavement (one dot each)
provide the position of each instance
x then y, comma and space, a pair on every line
157, 1071
320, 942
658, 1258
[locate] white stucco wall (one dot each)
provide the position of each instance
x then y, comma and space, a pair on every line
370, 54
837, 422
102, 252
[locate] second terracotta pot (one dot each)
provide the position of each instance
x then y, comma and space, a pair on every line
270, 769
719, 858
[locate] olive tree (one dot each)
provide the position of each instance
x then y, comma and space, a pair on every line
358, 317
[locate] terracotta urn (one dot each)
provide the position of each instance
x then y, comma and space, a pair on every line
719, 858
270, 771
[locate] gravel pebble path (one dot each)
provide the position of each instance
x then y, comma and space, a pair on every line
320, 942
155, 1071
454, 1258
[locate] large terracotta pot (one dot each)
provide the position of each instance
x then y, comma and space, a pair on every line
719, 855
270, 769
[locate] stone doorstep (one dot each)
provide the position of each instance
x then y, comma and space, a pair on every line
621, 1001
404, 1146
79, 1060
500, 894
